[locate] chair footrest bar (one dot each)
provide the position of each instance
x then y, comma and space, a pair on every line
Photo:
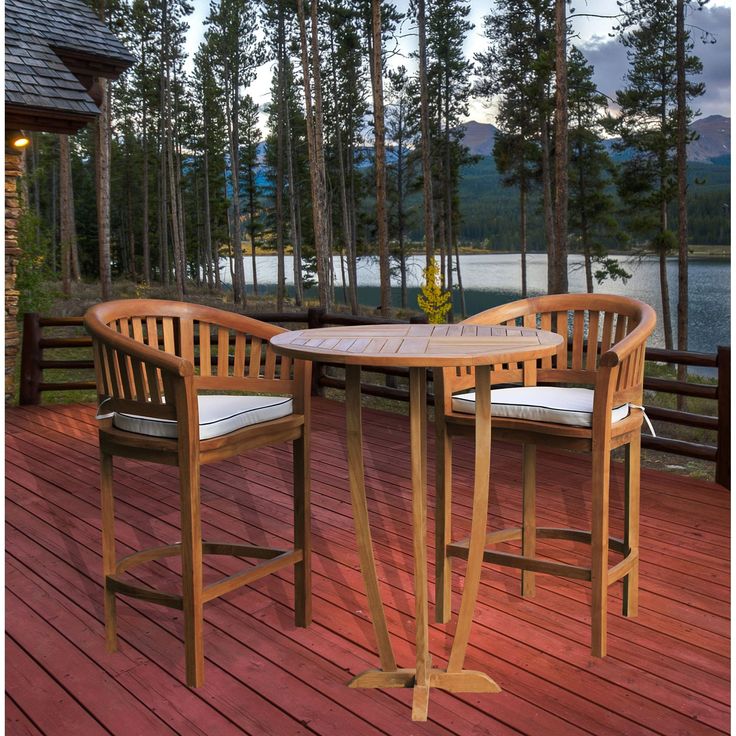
521, 562
171, 600
546, 532
208, 548
275, 560
214, 590
622, 568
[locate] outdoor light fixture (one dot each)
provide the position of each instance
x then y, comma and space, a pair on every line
18, 139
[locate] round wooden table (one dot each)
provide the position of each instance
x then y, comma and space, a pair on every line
420, 347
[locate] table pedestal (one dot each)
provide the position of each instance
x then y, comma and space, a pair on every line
423, 676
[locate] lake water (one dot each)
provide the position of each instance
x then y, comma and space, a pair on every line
492, 279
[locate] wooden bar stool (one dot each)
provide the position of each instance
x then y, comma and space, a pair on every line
156, 364
586, 398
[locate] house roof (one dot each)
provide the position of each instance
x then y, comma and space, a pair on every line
53, 51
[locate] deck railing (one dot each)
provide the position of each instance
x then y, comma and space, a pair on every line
35, 342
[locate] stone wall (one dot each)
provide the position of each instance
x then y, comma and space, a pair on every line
13, 170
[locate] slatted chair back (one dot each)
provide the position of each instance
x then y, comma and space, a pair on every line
144, 346
600, 330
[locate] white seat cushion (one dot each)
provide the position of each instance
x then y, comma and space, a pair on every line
218, 415
557, 405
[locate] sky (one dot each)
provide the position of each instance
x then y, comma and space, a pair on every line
606, 54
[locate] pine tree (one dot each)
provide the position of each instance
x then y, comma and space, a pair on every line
510, 72
592, 206
648, 126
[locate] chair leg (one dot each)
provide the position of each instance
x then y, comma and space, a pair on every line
599, 548
302, 534
191, 569
443, 526
631, 525
108, 548
529, 517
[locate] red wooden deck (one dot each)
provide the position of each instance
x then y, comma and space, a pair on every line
667, 671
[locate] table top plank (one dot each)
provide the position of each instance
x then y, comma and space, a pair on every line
418, 345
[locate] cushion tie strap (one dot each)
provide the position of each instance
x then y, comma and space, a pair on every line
101, 414
648, 421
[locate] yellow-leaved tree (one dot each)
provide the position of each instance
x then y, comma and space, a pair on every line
433, 300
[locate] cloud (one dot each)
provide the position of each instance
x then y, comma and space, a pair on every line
608, 57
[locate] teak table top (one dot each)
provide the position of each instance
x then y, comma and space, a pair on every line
417, 345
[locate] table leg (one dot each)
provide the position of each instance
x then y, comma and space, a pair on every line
479, 519
418, 435
423, 677
360, 516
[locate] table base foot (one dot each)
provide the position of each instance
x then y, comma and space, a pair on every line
464, 681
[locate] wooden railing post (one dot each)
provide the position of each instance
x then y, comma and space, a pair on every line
30, 360
723, 453
315, 319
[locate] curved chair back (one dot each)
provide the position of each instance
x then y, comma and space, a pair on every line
144, 348
599, 330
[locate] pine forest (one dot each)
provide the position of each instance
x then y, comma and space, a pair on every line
360, 150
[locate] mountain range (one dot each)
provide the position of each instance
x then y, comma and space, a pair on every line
713, 142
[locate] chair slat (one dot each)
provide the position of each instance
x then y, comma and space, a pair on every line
254, 360
578, 327
270, 369
223, 351
545, 323
155, 384
239, 367
116, 385
167, 324
152, 330
607, 332
205, 353
285, 368
621, 327
186, 338
561, 328
137, 324
139, 379
591, 357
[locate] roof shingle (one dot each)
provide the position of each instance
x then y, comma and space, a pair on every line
37, 33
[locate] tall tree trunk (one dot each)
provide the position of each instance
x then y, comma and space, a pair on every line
400, 205
173, 198
163, 205
36, 187
664, 280
313, 105
425, 135
522, 228
66, 208
233, 112
561, 126
54, 215
584, 234
344, 207
102, 171
280, 160
296, 245
380, 157
211, 266
145, 241
682, 260
252, 227
547, 200
463, 309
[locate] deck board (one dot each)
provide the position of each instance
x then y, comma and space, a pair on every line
667, 671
